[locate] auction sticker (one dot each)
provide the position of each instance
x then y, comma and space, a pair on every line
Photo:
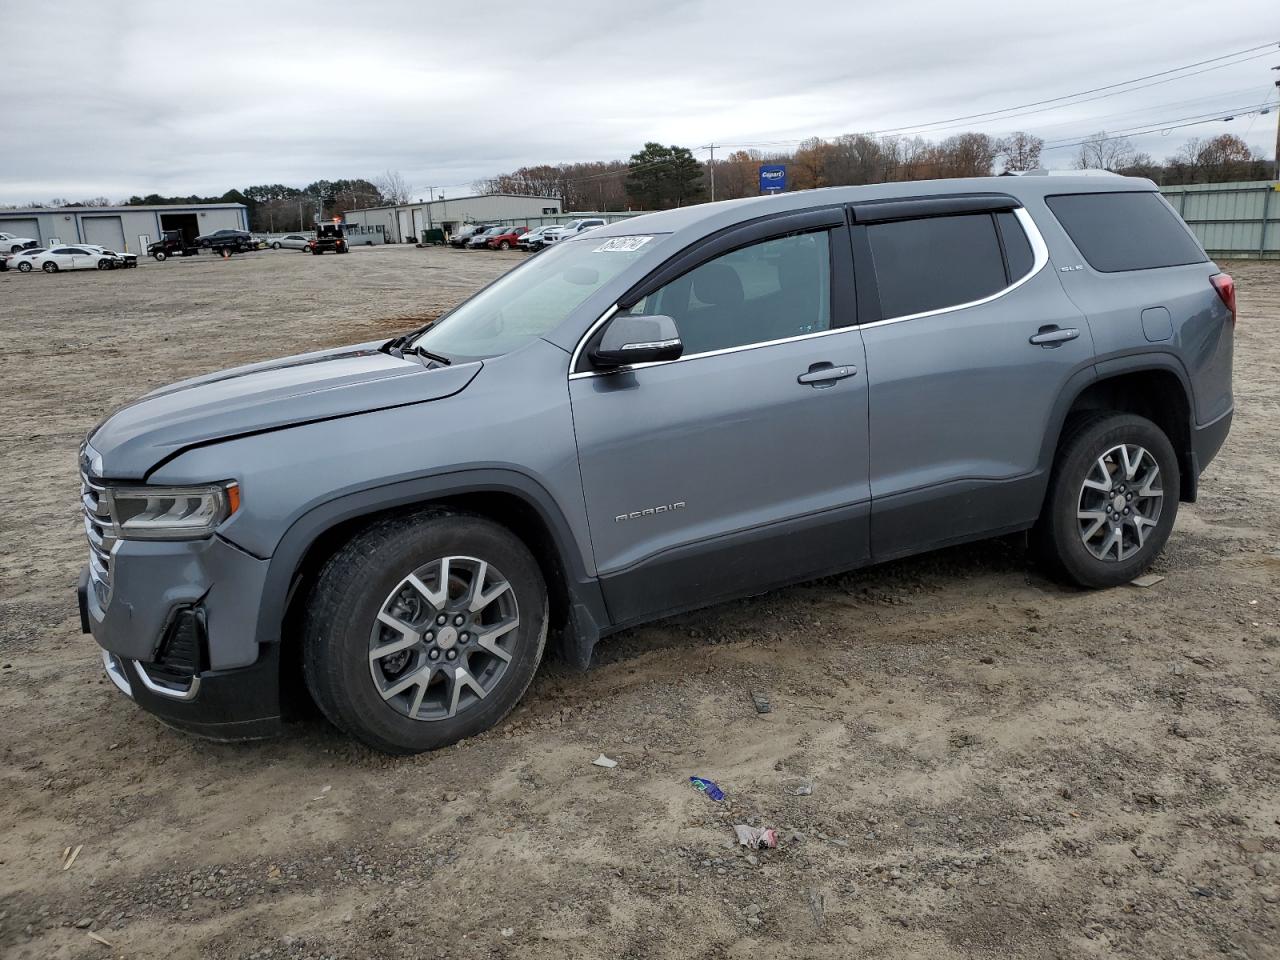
622, 245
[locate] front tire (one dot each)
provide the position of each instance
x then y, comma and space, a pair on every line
1112, 501
160, 256
50, 267
276, 245
424, 629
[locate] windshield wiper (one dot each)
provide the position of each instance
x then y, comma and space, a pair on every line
419, 351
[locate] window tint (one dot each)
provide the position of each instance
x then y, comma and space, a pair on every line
1125, 231
936, 262
768, 291
1017, 248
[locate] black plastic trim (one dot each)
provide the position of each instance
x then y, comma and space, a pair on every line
583, 589
915, 208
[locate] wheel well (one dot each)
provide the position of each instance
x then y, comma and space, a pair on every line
1157, 395
510, 510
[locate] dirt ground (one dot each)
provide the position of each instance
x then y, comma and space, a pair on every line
964, 759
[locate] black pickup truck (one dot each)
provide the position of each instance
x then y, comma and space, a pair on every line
171, 244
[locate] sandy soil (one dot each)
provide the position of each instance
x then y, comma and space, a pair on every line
998, 766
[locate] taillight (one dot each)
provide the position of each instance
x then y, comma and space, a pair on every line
1226, 288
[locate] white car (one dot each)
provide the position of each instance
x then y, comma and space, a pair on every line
11, 244
290, 241
23, 260
535, 238
573, 228
71, 258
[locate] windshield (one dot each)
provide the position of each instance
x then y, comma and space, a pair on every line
533, 299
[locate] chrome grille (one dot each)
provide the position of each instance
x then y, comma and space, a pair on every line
102, 536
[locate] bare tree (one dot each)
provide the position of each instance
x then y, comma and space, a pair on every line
1021, 151
1100, 152
393, 187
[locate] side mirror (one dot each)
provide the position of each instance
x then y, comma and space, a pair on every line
629, 340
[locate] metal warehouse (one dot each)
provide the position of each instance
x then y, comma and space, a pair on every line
404, 223
127, 229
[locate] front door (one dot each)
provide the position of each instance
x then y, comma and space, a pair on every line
742, 465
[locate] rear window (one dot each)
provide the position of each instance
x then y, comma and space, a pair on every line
1125, 231
938, 262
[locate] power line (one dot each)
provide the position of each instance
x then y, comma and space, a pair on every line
1226, 116
1220, 114
1081, 96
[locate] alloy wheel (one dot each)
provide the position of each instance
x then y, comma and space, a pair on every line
443, 638
1120, 501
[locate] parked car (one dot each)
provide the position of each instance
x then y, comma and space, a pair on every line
72, 258
237, 240
118, 260
291, 241
1043, 354
329, 236
533, 240
462, 235
14, 244
24, 260
172, 243
480, 239
573, 228
507, 239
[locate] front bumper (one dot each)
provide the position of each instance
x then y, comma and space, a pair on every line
200, 598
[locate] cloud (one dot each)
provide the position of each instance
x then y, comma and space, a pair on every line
115, 99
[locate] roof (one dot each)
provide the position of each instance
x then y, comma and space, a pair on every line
708, 217
474, 196
170, 207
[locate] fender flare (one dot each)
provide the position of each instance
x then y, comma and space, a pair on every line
586, 602
1116, 366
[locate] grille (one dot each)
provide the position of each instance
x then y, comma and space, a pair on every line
102, 536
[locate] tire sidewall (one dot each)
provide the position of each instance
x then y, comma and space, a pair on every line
1081, 452
341, 645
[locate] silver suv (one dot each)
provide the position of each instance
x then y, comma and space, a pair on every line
657, 415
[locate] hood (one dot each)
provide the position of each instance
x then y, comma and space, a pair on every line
265, 396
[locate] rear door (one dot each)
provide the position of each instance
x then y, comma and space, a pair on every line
742, 465
970, 341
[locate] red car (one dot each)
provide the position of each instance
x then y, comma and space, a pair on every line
505, 241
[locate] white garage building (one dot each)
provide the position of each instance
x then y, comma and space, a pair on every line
404, 223
127, 229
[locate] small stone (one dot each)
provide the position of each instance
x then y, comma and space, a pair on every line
752, 909
754, 921
508, 931
450, 796
987, 659
84, 923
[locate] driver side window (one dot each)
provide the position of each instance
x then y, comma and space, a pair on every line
771, 290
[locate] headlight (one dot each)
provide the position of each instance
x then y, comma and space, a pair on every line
171, 513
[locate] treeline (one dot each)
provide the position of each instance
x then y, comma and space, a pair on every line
659, 177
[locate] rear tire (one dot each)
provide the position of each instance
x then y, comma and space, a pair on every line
24, 267
366, 594
1112, 500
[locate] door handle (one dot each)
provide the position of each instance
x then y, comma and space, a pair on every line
1052, 336
825, 373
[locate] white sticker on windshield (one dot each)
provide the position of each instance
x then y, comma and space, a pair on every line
622, 245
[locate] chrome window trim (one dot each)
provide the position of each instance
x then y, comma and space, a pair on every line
1039, 250
1040, 254
583, 374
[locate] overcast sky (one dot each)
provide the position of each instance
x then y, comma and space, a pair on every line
112, 99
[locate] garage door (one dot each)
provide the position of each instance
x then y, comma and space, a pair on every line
104, 231
405, 231
20, 228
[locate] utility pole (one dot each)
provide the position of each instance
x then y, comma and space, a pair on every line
1275, 172
712, 164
